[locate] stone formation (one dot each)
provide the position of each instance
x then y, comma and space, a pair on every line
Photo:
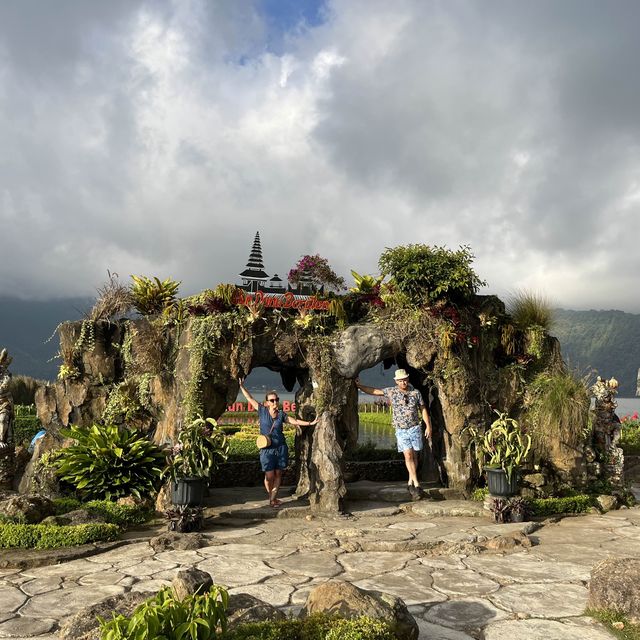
7, 418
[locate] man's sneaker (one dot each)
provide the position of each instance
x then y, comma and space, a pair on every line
415, 493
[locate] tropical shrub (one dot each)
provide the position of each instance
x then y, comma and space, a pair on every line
315, 271
211, 301
151, 296
196, 617
123, 404
502, 446
109, 462
44, 536
200, 448
424, 274
630, 434
365, 284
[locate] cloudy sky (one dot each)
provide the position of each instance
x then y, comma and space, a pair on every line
157, 137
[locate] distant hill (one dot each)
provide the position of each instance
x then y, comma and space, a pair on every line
607, 341
25, 327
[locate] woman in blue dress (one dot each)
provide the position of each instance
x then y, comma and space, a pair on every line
275, 457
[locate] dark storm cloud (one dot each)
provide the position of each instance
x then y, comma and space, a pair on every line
532, 105
157, 136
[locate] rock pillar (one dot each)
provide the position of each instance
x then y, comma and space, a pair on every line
7, 420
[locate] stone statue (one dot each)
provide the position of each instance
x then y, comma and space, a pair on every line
607, 430
6, 422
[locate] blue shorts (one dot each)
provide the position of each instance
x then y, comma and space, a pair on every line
409, 438
274, 458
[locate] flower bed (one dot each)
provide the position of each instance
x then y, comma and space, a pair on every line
630, 435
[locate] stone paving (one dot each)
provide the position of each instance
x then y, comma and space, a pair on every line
533, 593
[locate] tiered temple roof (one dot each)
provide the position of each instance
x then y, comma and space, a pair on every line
254, 277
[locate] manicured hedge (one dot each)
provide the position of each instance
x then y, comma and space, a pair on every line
44, 536
551, 506
124, 516
630, 438
26, 424
315, 627
244, 447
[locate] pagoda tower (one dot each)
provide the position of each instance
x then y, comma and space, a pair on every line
254, 276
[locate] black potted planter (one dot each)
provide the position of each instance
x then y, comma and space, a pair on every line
188, 491
499, 484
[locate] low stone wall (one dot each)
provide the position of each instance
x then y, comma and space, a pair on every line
378, 471
632, 468
249, 474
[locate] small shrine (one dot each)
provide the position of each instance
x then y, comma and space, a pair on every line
255, 278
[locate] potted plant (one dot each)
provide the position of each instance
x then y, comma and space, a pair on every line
500, 451
192, 460
518, 509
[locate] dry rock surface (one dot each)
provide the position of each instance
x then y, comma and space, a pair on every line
615, 584
344, 599
445, 571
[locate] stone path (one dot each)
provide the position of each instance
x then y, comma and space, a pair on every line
535, 593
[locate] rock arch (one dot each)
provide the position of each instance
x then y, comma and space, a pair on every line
194, 366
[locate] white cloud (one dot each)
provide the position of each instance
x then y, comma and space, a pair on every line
158, 137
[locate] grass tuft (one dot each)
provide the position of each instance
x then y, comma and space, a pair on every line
557, 408
609, 618
114, 300
529, 309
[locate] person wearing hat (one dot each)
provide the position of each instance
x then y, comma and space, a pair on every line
407, 405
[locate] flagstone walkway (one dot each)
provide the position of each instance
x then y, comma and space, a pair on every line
535, 593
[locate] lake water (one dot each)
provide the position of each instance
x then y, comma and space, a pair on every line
259, 395
626, 406
384, 437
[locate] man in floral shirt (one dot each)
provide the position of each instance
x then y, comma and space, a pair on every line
407, 406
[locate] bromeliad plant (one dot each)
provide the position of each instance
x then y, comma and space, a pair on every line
200, 448
109, 462
502, 446
151, 296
